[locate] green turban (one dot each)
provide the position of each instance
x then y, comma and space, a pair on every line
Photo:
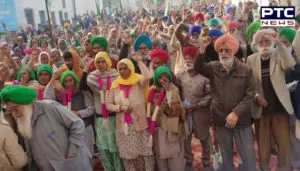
133, 35
76, 43
66, 73
18, 94
101, 41
288, 34
45, 68
297, 19
31, 72
213, 21
251, 29
157, 73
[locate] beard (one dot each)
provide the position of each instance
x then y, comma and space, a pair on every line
24, 123
189, 66
266, 50
143, 57
227, 62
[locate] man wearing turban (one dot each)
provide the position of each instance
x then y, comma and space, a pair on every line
287, 37
141, 46
272, 100
196, 93
49, 129
232, 92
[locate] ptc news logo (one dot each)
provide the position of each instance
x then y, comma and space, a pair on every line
277, 16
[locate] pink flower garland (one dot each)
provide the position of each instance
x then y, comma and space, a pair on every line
103, 105
40, 93
152, 123
127, 116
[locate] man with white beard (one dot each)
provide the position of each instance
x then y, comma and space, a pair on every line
232, 93
273, 103
53, 135
196, 92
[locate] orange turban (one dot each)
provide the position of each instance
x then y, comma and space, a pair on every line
228, 40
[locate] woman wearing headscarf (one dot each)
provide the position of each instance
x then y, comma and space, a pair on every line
25, 76
44, 75
62, 46
43, 59
100, 44
34, 43
72, 62
44, 46
78, 101
126, 98
171, 128
99, 81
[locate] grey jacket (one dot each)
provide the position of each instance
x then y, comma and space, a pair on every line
56, 131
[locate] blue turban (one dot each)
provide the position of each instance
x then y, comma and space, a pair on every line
142, 39
215, 33
193, 29
229, 9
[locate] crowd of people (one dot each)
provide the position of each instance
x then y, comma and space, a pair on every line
134, 90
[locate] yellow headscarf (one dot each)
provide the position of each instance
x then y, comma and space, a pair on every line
105, 56
133, 78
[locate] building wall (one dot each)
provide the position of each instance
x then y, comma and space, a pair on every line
82, 6
56, 5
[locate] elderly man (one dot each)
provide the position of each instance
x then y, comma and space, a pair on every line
196, 92
53, 134
141, 46
232, 93
273, 103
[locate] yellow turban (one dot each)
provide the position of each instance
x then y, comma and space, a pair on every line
228, 40
105, 56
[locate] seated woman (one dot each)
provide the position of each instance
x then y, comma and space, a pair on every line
127, 99
171, 127
79, 102
99, 81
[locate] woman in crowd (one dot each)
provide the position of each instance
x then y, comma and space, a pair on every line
78, 101
44, 75
171, 122
126, 98
99, 81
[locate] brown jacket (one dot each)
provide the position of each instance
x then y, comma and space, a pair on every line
12, 156
231, 91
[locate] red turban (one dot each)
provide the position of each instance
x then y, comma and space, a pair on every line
158, 53
228, 40
232, 25
198, 16
190, 51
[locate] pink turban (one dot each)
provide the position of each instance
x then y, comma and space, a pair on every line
232, 25
269, 33
190, 51
158, 53
198, 16
228, 40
